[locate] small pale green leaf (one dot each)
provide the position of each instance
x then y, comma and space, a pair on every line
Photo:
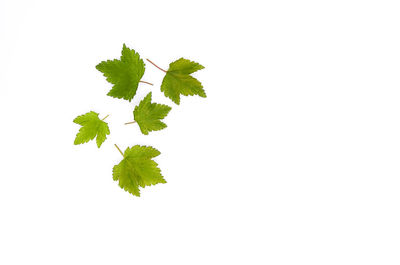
178, 81
149, 115
124, 74
92, 127
137, 169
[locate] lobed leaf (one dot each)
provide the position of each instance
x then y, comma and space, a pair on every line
137, 169
149, 115
178, 81
92, 127
124, 73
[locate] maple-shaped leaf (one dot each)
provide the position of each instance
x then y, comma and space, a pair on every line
149, 115
92, 127
124, 74
137, 169
178, 80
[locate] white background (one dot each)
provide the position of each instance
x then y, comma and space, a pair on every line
293, 158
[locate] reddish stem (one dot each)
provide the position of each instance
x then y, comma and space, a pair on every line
146, 82
156, 66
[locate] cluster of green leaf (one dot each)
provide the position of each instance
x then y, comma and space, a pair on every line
137, 168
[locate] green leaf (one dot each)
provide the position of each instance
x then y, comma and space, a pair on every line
124, 74
148, 115
137, 169
178, 80
92, 127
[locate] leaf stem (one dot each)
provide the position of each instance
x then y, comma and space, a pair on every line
130, 122
119, 149
146, 82
156, 66
105, 117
